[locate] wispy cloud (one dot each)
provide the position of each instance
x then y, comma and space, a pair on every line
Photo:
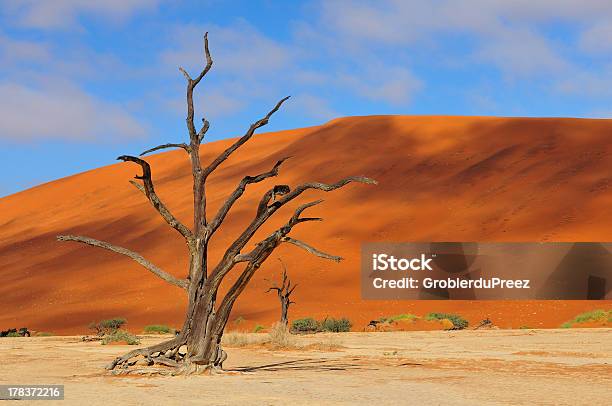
62, 14
60, 110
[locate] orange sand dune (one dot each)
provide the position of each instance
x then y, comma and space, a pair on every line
441, 179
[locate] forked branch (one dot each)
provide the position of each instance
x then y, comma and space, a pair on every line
181, 283
238, 192
191, 84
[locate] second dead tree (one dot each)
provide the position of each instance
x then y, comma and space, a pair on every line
284, 292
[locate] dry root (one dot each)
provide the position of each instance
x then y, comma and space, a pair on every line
167, 358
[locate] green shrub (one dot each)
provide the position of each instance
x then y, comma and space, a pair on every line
258, 328
13, 334
114, 324
239, 320
306, 325
107, 326
120, 335
158, 329
405, 316
336, 325
594, 315
459, 323
44, 334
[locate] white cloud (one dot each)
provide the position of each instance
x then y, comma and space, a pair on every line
391, 84
597, 39
60, 14
311, 106
60, 111
238, 49
522, 53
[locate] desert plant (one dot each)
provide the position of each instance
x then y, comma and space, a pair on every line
237, 339
397, 317
306, 325
158, 329
114, 324
109, 326
258, 328
593, 315
44, 334
280, 337
336, 325
14, 334
208, 311
459, 323
119, 336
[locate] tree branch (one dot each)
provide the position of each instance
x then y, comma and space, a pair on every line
225, 154
149, 191
191, 84
237, 193
181, 283
311, 249
164, 146
264, 212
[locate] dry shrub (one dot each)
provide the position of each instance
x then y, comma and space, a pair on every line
280, 337
236, 339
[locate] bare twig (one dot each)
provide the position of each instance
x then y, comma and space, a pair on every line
225, 154
165, 146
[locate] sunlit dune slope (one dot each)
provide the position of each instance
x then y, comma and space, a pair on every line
440, 179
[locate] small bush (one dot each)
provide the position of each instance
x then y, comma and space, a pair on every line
258, 328
13, 334
405, 316
120, 335
280, 337
459, 323
44, 334
234, 339
306, 325
594, 315
239, 320
114, 324
336, 325
109, 326
158, 329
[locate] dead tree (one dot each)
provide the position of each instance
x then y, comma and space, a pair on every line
198, 346
284, 291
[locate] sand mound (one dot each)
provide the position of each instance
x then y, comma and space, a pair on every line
441, 179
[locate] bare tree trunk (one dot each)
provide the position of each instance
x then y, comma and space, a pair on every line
197, 348
284, 292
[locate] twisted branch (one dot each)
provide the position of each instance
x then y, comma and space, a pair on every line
149, 191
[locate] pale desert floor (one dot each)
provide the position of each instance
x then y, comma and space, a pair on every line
495, 367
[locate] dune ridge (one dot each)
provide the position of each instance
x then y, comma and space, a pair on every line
441, 178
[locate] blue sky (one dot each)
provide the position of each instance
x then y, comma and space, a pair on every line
82, 82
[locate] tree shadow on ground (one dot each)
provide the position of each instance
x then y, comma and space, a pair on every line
307, 364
